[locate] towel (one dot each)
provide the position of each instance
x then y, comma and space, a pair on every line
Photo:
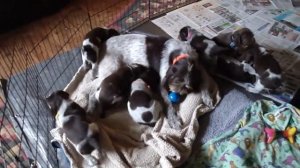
125, 143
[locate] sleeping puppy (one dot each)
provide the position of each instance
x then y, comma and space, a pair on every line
92, 45
115, 88
263, 74
183, 77
143, 106
72, 119
267, 71
150, 51
253, 59
239, 41
255, 65
207, 49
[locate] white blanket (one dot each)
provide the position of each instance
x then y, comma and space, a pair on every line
125, 143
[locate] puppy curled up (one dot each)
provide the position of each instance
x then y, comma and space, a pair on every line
71, 118
115, 89
142, 105
254, 61
93, 43
242, 41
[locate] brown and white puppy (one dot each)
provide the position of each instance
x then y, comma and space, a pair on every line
207, 49
267, 71
150, 51
143, 105
93, 43
72, 119
116, 88
243, 60
183, 77
253, 59
240, 41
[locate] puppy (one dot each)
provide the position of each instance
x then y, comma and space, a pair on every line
72, 119
267, 71
115, 88
142, 105
207, 49
151, 51
93, 43
243, 60
183, 76
240, 41
254, 64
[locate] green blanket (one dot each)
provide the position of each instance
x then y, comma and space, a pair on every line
246, 145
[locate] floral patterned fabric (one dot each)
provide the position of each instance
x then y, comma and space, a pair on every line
246, 145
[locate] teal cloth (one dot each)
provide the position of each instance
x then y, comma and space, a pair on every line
245, 146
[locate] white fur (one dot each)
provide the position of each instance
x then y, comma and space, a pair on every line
258, 87
210, 45
273, 75
263, 50
87, 42
118, 51
60, 113
155, 107
131, 48
248, 68
136, 114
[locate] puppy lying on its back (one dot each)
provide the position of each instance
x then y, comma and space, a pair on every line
72, 119
93, 44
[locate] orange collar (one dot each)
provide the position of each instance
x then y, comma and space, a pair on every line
179, 57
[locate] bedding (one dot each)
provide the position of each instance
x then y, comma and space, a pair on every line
125, 143
246, 145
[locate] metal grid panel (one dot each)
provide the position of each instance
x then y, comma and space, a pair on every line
42, 57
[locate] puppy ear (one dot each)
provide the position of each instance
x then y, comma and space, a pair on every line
183, 33
113, 32
198, 44
63, 94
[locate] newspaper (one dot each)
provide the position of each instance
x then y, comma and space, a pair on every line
258, 4
290, 18
275, 23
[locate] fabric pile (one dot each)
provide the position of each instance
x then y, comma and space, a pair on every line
125, 143
246, 145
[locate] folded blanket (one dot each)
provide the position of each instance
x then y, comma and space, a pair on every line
125, 143
246, 145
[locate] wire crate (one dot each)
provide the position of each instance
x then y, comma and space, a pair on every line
42, 56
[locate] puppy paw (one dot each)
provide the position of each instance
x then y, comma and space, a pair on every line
252, 89
87, 66
92, 161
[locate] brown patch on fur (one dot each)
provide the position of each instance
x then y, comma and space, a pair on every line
139, 98
147, 116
